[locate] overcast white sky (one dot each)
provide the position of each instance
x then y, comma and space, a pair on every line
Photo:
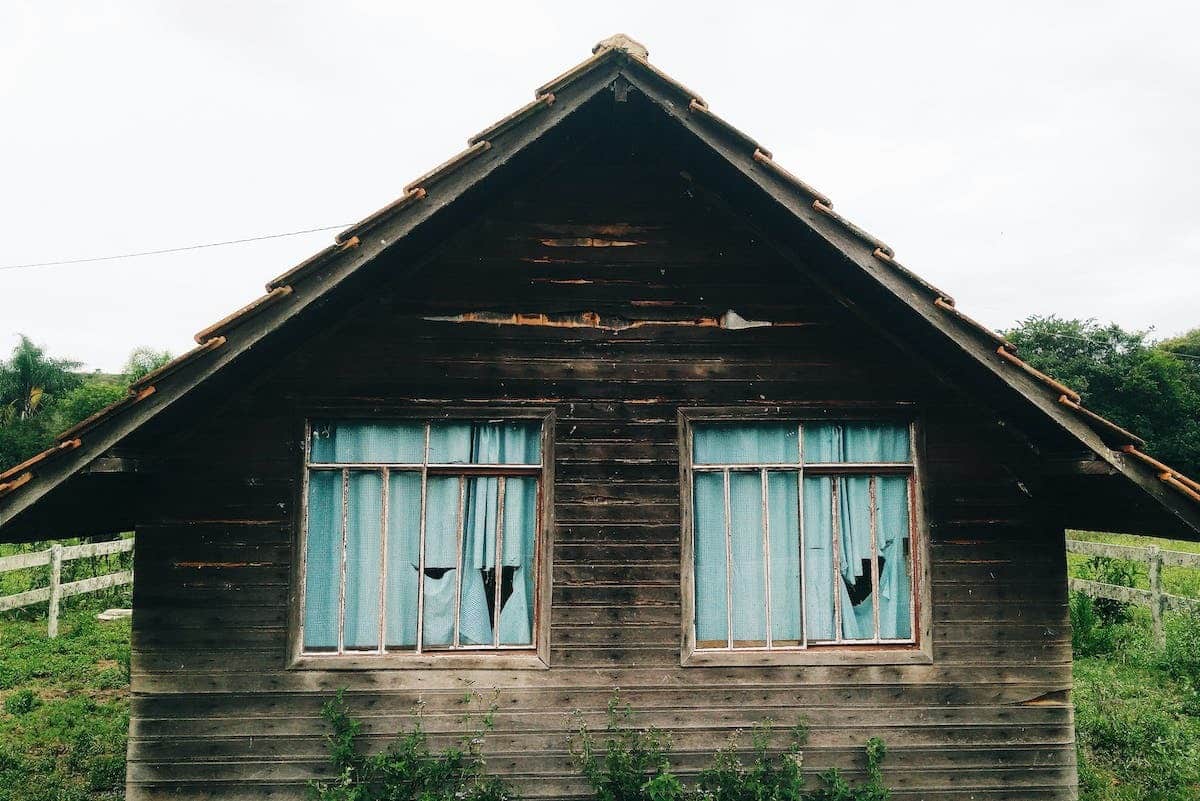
1034, 158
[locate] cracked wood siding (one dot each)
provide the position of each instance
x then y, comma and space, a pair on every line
216, 714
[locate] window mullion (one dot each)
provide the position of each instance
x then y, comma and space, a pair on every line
458, 570
874, 511
728, 566
342, 572
421, 547
836, 529
497, 569
766, 534
383, 550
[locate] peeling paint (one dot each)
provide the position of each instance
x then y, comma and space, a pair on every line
730, 320
590, 242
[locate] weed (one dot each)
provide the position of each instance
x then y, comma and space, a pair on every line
22, 701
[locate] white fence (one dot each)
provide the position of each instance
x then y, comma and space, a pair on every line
1155, 598
54, 557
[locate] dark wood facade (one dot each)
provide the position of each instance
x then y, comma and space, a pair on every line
218, 712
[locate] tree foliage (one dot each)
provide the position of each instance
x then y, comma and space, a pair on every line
41, 395
1151, 389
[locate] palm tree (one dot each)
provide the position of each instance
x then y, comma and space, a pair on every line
29, 377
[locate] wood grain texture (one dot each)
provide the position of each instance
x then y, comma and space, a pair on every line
217, 712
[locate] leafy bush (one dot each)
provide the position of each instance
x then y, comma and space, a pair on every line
768, 777
1090, 635
407, 769
20, 702
1181, 656
632, 765
1117, 572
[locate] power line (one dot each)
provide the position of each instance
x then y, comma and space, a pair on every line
172, 250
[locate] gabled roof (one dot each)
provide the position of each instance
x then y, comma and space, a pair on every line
616, 64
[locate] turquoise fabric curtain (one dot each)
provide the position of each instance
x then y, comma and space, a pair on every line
364, 559
895, 579
323, 560
854, 523
517, 554
712, 621
765, 443
749, 566
516, 442
354, 443
855, 442
818, 557
479, 555
786, 616
403, 559
441, 558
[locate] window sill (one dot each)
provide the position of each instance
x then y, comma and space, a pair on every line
838, 657
445, 661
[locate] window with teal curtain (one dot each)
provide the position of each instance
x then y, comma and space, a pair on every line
404, 524
794, 546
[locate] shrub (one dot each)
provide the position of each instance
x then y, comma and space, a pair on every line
1181, 656
769, 777
21, 702
632, 765
407, 769
1111, 571
1090, 635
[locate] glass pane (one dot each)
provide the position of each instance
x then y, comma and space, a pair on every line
518, 589
323, 560
766, 443
749, 563
478, 562
712, 622
364, 559
895, 558
442, 526
354, 443
465, 442
786, 615
818, 557
856, 442
854, 544
403, 558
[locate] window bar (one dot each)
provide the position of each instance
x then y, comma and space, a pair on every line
836, 528
766, 529
383, 548
342, 577
421, 549
913, 532
728, 568
497, 568
874, 510
459, 521
800, 529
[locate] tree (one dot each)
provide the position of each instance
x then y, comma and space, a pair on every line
143, 361
30, 379
1185, 345
1123, 376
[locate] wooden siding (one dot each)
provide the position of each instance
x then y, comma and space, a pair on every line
217, 714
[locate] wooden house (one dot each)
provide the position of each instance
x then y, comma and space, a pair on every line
609, 399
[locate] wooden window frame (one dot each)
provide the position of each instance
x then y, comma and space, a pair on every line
843, 652
535, 656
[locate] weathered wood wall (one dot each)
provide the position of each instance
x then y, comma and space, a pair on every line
217, 715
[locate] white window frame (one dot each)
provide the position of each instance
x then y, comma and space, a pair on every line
497, 655
876, 650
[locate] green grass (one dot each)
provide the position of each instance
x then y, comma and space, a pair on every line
1176, 580
1137, 708
64, 703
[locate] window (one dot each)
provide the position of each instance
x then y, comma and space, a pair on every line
801, 535
421, 536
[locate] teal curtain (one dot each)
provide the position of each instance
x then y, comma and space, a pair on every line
479, 555
712, 622
517, 556
749, 565
354, 443
441, 559
818, 557
782, 499
323, 560
403, 559
764, 443
854, 523
516, 442
855, 442
364, 559
895, 580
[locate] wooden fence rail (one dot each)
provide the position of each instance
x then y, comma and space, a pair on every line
1155, 598
54, 556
